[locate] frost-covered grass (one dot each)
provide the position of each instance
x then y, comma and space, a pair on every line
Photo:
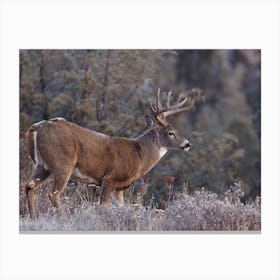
199, 211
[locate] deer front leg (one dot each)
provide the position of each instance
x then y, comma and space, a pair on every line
107, 189
119, 197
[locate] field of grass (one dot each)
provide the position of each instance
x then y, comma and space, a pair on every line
199, 211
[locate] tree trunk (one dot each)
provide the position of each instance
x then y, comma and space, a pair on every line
100, 103
43, 84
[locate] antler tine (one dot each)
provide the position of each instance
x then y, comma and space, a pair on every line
168, 98
152, 106
181, 103
177, 108
167, 110
159, 106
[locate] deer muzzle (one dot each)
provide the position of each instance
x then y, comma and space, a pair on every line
186, 145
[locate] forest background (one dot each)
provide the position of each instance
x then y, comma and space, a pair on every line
108, 91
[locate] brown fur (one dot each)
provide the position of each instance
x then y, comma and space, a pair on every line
63, 147
30, 144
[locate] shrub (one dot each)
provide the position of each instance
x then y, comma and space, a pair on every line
200, 211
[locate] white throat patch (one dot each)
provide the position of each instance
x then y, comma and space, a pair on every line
162, 152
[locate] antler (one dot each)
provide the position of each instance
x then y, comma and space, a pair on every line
161, 112
158, 107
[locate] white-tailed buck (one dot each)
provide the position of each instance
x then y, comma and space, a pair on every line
60, 149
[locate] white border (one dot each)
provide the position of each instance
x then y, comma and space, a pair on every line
153, 24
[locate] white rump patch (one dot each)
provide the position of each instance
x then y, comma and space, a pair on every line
35, 147
37, 157
162, 152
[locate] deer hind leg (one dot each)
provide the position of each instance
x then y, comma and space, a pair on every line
56, 187
40, 174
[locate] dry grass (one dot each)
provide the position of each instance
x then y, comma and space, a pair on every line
199, 211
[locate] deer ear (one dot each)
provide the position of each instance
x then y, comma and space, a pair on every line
149, 121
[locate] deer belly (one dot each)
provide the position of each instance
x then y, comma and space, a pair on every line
123, 181
78, 174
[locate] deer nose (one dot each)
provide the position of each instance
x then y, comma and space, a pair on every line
186, 145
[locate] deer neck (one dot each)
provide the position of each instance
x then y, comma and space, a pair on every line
151, 148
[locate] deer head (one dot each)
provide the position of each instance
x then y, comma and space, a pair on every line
169, 137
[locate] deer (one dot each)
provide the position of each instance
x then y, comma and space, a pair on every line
60, 149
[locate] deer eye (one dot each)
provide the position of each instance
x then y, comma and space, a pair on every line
171, 133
